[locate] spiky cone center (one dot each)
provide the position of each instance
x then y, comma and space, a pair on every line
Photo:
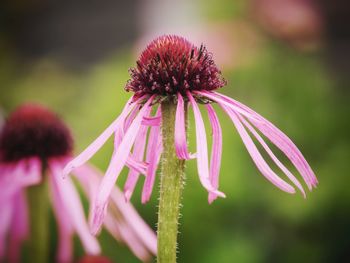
34, 131
171, 64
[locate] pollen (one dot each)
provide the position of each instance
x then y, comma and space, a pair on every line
170, 65
32, 130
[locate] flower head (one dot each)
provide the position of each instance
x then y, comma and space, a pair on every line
35, 145
171, 65
32, 130
173, 69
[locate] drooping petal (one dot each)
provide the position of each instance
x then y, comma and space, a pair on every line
180, 131
273, 157
19, 175
128, 122
7, 209
131, 162
19, 227
122, 220
64, 222
290, 150
278, 138
65, 245
122, 230
114, 168
202, 151
120, 131
217, 98
255, 154
151, 121
216, 151
112, 226
141, 230
70, 200
137, 154
28, 172
97, 143
154, 151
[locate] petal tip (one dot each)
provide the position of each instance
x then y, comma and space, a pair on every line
211, 199
218, 193
144, 200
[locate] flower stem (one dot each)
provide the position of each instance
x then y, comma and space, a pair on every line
38, 197
171, 184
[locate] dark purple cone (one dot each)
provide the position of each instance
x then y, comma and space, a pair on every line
33, 130
171, 64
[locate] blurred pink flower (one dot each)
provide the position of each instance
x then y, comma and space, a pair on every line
299, 22
171, 68
34, 143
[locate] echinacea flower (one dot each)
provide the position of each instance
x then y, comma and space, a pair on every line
172, 69
35, 145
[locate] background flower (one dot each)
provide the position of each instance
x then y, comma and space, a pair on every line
34, 146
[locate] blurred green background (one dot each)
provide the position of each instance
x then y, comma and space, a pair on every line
287, 61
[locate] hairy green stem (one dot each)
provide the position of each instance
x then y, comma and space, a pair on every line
171, 184
38, 247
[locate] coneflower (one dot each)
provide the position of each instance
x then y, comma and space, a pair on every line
35, 145
173, 73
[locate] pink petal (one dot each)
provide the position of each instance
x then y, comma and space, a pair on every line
7, 209
202, 151
219, 99
140, 167
151, 121
128, 121
112, 227
114, 168
138, 154
74, 210
64, 222
180, 131
281, 140
122, 220
142, 231
65, 246
128, 236
273, 157
16, 176
97, 144
120, 131
255, 154
32, 172
19, 227
131, 162
154, 151
215, 152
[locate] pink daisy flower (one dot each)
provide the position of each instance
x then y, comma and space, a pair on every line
173, 69
34, 144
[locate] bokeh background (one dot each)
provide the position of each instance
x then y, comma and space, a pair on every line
287, 59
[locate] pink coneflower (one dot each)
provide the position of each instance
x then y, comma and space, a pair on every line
35, 145
173, 70
298, 22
